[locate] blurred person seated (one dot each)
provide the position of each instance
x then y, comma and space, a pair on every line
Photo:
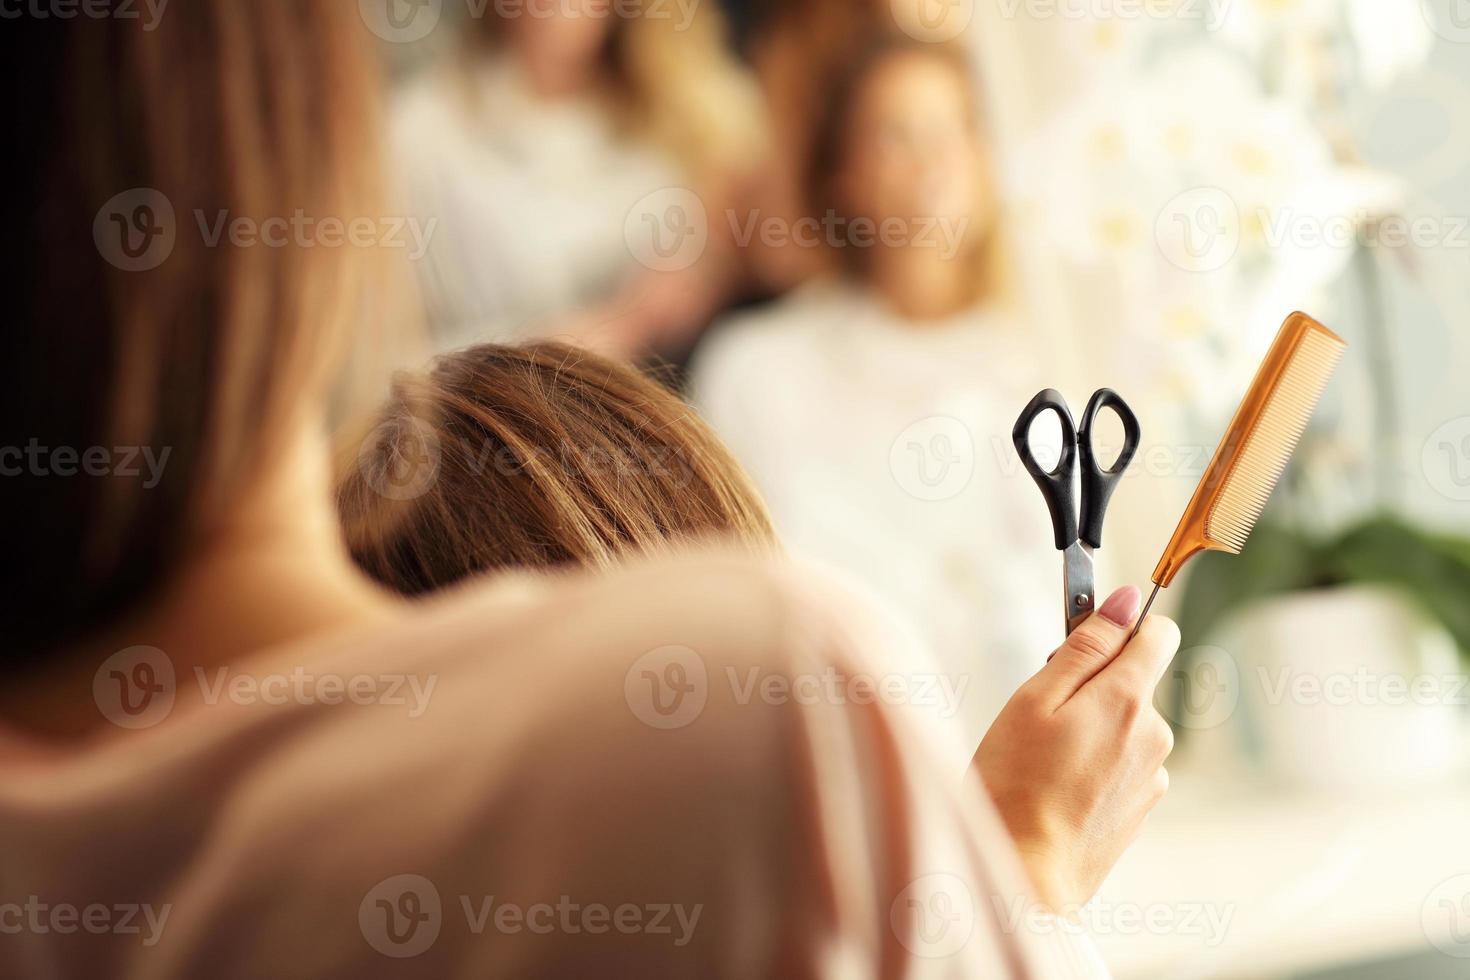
791, 43
873, 407
539, 455
555, 132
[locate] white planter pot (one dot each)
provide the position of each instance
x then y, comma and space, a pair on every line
1351, 688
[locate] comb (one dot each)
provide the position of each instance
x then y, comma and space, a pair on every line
1251, 458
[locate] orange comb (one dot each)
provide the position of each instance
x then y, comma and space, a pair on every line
1256, 448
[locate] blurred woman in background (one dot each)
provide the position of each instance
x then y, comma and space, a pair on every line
794, 45
873, 408
549, 139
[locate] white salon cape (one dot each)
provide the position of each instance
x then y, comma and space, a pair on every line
530, 196
884, 448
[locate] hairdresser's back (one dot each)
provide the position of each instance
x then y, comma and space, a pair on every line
564, 779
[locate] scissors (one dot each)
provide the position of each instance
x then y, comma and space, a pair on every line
1078, 534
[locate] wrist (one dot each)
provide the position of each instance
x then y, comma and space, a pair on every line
1050, 885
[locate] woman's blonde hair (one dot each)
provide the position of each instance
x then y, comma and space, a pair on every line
135, 330
675, 82
536, 456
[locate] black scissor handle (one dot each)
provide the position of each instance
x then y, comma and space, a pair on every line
1055, 484
1098, 484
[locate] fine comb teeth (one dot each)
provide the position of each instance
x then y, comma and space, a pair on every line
1257, 446
1270, 438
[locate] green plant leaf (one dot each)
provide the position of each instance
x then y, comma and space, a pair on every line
1432, 571
1274, 561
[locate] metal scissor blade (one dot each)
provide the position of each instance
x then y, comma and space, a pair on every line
1077, 578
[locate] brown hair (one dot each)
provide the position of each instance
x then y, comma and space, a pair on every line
119, 131
534, 456
829, 149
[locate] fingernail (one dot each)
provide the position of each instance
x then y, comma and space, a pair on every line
1122, 606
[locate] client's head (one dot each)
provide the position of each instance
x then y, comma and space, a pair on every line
535, 456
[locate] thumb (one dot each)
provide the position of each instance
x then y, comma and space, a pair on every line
1091, 647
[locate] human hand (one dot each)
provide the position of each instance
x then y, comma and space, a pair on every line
1074, 762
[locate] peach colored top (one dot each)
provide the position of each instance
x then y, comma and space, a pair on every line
684, 769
